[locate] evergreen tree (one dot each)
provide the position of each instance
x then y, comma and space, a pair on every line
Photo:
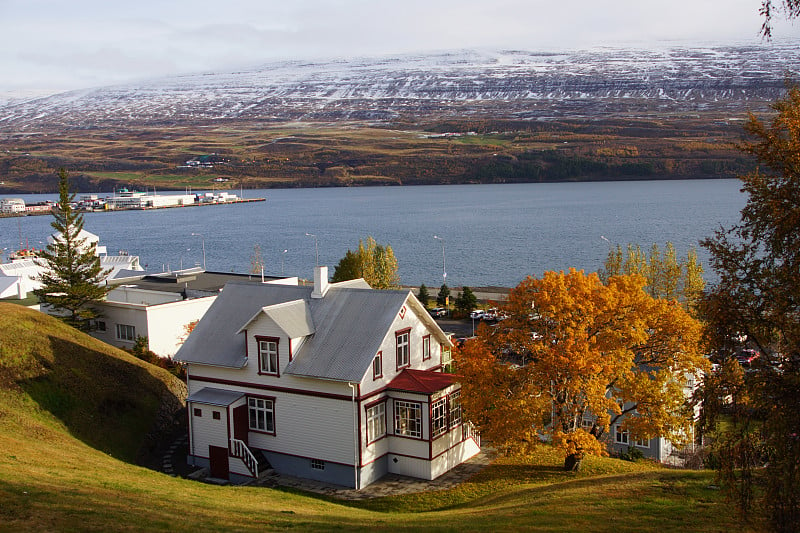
466, 301
423, 295
443, 297
71, 281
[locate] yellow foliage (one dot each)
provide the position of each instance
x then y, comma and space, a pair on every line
578, 442
584, 349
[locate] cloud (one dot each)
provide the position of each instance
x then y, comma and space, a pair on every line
99, 41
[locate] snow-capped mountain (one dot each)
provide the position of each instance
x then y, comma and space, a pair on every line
511, 84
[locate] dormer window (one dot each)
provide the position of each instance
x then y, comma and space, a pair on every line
268, 355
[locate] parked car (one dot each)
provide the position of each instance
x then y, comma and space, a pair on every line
438, 312
477, 314
490, 315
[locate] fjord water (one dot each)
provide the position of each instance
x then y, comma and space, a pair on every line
492, 234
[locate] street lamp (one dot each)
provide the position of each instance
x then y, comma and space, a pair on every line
444, 262
282, 256
204, 247
316, 248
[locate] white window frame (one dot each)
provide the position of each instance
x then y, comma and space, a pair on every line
376, 422
621, 436
268, 356
126, 332
317, 464
426, 347
403, 349
642, 443
455, 409
408, 419
377, 366
261, 414
439, 418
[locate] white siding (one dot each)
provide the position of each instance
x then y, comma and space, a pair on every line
166, 323
317, 428
453, 457
389, 349
306, 425
206, 431
163, 324
409, 466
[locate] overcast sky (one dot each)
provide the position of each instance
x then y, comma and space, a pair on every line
50, 45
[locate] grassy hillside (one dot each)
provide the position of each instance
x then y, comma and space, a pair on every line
321, 155
73, 410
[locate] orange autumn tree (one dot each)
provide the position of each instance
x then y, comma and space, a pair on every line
574, 349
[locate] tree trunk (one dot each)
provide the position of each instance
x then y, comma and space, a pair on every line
572, 462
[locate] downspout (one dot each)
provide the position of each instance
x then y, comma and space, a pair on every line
189, 416
355, 434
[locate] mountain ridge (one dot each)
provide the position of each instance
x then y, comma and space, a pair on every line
514, 84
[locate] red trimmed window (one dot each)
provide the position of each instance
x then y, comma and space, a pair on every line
439, 418
376, 422
261, 414
377, 366
426, 347
403, 348
407, 419
268, 357
455, 409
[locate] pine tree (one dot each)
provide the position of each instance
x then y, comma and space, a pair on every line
423, 295
71, 281
443, 298
466, 300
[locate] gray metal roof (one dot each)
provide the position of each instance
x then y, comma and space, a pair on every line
214, 340
349, 325
292, 317
212, 396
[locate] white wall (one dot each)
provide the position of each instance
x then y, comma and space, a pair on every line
167, 323
164, 325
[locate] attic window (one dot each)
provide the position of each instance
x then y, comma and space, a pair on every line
268, 358
377, 366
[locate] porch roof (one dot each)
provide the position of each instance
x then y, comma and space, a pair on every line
212, 396
421, 381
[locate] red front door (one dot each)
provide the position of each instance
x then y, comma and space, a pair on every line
241, 424
218, 462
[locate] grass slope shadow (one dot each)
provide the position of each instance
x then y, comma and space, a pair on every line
113, 405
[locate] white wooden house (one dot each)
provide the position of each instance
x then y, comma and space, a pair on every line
335, 382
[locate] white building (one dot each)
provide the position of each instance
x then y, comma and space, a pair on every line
162, 317
335, 382
139, 200
12, 205
26, 271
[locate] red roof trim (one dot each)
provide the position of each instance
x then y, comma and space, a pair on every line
422, 381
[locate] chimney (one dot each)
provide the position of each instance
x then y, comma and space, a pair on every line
320, 282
